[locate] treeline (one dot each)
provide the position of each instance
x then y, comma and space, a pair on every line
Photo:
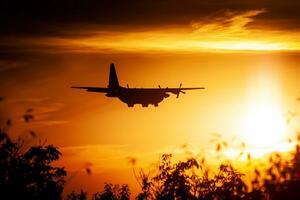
27, 173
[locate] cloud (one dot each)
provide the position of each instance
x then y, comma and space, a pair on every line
41, 108
228, 31
6, 65
51, 122
102, 156
114, 156
231, 22
29, 100
59, 18
130, 26
44, 113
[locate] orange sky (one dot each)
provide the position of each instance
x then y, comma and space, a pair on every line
245, 55
90, 128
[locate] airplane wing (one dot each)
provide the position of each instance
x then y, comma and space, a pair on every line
92, 89
180, 90
172, 90
176, 91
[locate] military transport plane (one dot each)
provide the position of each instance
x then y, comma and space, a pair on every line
132, 96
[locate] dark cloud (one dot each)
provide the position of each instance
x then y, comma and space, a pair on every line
24, 24
65, 17
110, 11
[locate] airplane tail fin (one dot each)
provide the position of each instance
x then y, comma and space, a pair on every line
113, 78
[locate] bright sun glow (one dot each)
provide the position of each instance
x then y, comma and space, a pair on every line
264, 126
263, 131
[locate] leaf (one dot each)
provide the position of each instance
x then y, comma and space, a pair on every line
131, 160
33, 134
29, 110
88, 170
218, 147
8, 122
249, 156
243, 145
202, 161
28, 118
257, 172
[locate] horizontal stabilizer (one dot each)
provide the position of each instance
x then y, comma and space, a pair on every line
92, 89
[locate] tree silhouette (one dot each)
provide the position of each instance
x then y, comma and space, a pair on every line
180, 181
28, 174
77, 196
281, 179
113, 192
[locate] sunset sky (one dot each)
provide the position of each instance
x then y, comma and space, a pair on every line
245, 53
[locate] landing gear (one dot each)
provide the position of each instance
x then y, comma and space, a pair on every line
145, 105
130, 105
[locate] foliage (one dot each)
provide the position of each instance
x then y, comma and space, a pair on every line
113, 192
190, 180
77, 196
281, 179
181, 181
28, 174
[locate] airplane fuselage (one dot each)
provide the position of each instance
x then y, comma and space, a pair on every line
132, 96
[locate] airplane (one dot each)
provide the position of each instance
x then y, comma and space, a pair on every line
132, 96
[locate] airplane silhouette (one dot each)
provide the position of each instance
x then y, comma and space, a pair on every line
132, 96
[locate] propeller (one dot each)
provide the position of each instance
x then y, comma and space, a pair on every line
179, 91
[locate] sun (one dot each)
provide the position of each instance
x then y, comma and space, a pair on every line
264, 125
